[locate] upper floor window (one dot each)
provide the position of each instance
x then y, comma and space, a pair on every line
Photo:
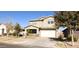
50, 22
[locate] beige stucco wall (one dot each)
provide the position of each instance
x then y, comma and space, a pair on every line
37, 23
43, 24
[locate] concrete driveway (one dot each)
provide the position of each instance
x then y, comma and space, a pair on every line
35, 42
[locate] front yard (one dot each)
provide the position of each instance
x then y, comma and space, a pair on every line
30, 41
37, 42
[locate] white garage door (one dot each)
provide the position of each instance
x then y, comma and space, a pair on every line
48, 33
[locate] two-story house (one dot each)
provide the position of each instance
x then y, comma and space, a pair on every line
43, 27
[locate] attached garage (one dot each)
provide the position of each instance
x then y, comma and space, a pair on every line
48, 33
41, 32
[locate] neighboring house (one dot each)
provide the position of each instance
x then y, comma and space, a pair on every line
43, 27
3, 29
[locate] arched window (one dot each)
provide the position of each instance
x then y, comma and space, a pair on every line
50, 21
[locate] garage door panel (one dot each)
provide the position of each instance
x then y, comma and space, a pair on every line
47, 33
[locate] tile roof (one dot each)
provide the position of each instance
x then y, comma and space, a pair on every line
40, 19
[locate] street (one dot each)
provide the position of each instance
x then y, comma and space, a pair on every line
4, 45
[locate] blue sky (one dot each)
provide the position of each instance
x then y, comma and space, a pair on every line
22, 17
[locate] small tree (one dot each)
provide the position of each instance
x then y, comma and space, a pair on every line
17, 29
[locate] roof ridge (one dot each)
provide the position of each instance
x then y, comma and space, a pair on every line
31, 25
41, 18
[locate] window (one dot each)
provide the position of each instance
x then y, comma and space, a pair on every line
50, 22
